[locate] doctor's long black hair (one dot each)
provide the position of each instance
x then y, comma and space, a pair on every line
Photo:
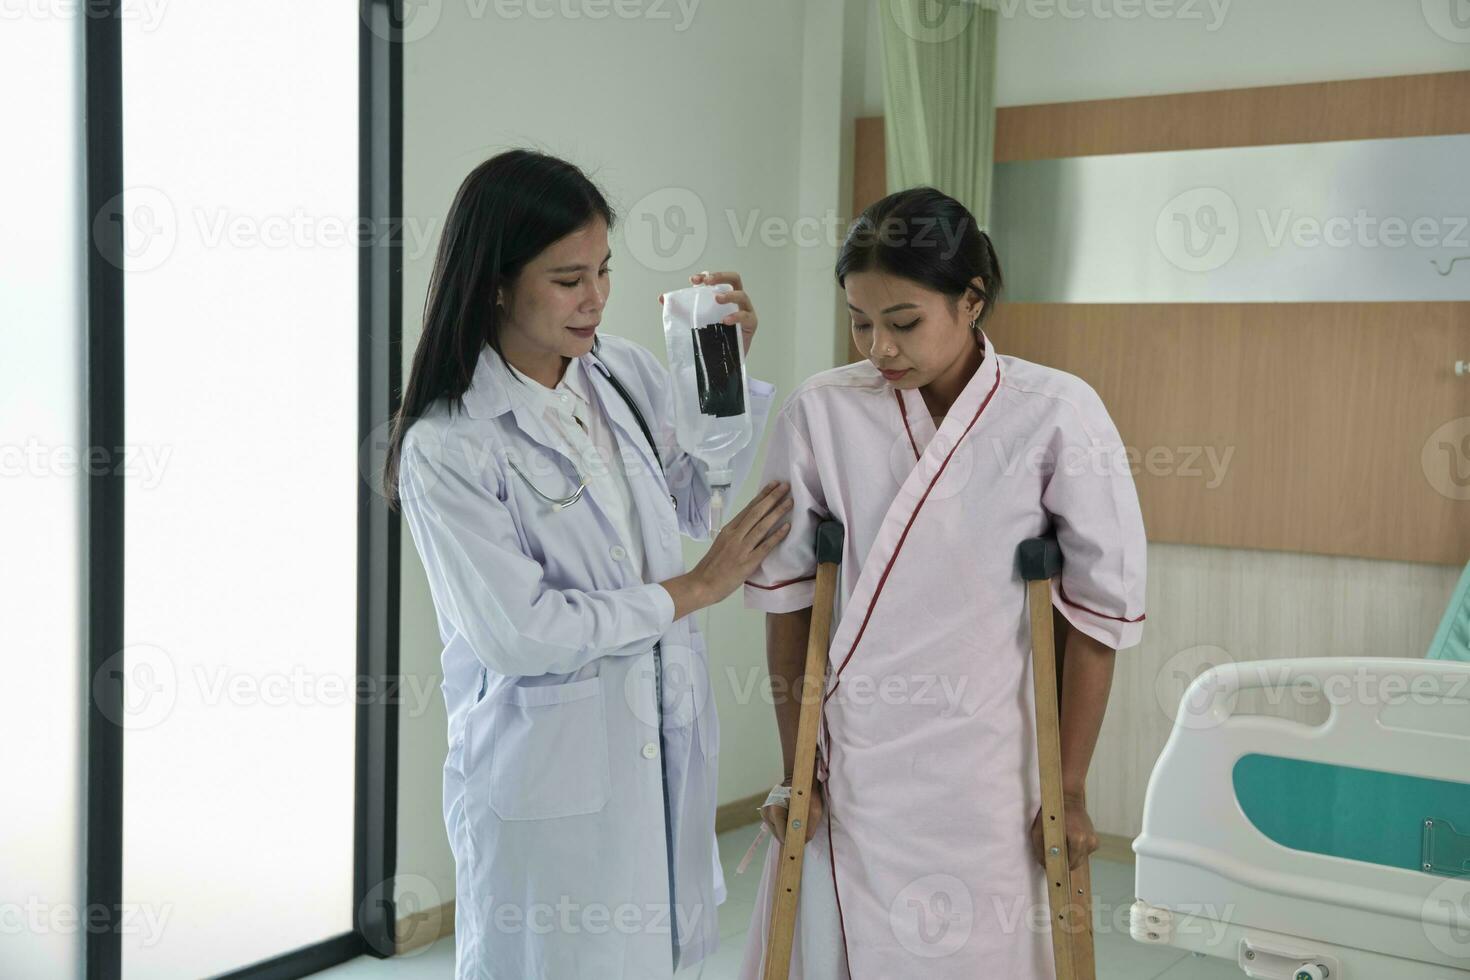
505, 213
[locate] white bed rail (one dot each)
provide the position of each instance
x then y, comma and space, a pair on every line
1199, 856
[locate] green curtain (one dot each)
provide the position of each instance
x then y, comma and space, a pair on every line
939, 97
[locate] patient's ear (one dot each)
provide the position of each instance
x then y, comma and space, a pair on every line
974, 303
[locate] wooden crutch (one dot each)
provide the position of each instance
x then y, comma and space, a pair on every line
1069, 893
782, 929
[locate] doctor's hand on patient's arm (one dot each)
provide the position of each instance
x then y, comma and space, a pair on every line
736, 552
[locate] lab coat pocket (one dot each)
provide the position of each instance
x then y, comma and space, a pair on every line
549, 752
702, 692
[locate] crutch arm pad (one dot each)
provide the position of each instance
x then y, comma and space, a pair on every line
829, 542
1039, 558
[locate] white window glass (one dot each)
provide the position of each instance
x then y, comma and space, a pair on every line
240, 162
42, 329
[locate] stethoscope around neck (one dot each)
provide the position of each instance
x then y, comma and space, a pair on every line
557, 503
561, 503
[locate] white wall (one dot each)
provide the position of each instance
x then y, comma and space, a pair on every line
738, 104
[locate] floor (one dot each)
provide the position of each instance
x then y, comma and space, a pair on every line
1118, 956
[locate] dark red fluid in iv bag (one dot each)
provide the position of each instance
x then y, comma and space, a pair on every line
717, 367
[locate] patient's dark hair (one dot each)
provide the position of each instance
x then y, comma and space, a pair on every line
927, 236
506, 212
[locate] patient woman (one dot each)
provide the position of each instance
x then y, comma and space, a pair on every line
938, 455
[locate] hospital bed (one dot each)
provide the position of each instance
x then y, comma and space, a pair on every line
1337, 849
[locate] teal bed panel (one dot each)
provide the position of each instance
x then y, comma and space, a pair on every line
1360, 814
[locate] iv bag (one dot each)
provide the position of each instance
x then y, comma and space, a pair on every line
707, 363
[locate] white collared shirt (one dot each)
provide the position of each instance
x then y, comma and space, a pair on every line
587, 437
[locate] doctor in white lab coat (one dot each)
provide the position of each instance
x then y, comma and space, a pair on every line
579, 787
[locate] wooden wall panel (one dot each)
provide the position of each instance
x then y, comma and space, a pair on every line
1319, 112
869, 176
1371, 108
870, 169
1316, 414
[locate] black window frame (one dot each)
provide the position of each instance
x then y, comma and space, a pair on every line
380, 294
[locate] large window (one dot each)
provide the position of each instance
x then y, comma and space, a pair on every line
240, 158
198, 597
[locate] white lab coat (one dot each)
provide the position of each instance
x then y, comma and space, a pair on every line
554, 784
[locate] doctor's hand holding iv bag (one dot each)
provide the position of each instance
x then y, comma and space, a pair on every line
702, 333
707, 366
708, 329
